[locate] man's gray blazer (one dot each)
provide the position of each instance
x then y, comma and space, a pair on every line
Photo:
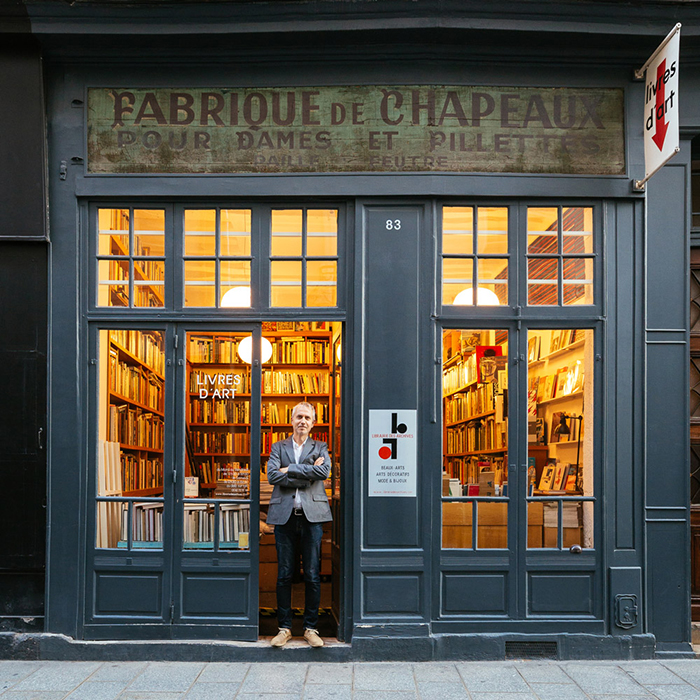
303, 476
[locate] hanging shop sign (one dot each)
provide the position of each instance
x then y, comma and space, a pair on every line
392, 452
661, 114
356, 129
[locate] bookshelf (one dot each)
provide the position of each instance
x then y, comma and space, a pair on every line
219, 402
556, 369
136, 393
130, 438
475, 437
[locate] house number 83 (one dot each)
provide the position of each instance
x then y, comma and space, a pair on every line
393, 224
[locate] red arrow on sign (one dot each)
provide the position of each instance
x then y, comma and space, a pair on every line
661, 124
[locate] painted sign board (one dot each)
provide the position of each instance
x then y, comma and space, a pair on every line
661, 114
366, 128
392, 452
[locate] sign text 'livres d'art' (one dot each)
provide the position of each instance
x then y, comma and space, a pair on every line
356, 129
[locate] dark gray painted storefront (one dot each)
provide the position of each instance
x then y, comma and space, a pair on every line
396, 577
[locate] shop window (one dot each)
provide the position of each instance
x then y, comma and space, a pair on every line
131, 420
217, 262
217, 441
559, 256
475, 448
475, 256
131, 257
304, 258
560, 438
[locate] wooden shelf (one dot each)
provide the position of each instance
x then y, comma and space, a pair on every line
269, 396
557, 353
222, 454
156, 491
139, 448
126, 399
471, 418
460, 390
573, 395
477, 452
134, 360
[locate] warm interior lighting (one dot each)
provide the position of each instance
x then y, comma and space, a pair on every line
245, 349
484, 297
236, 297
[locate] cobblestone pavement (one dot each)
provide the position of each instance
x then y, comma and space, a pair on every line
495, 680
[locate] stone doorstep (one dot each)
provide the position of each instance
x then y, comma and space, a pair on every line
47, 646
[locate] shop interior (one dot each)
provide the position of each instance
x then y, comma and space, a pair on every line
301, 361
476, 415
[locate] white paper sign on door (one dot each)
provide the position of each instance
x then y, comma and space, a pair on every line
392, 452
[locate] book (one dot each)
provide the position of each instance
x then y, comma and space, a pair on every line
486, 363
560, 382
570, 478
547, 477
533, 348
560, 476
554, 435
549, 387
532, 398
486, 483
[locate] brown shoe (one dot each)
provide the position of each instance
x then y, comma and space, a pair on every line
313, 638
281, 638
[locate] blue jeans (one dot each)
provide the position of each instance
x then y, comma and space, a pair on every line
298, 537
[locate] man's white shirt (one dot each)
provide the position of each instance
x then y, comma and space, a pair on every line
297, 460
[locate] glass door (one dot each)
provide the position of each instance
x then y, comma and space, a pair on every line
217, 484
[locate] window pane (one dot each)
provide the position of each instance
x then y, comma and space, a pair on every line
542, 230
235, 231
113, 231
285, 284
148, 283
130, 437
578, 280
217, 441
577, 227
113, 289
475, 450
492, 287
286, 233
200, 285
457, 524
457, 230
542, 282
457, 280
149, 232
235, 283
492, 531
560, 438
322, 232
492, 231
200, 232
321, 283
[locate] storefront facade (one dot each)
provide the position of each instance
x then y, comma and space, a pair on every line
445, 256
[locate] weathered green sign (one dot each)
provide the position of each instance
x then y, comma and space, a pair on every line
356, 129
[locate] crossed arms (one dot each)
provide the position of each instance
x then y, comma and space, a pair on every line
297, 476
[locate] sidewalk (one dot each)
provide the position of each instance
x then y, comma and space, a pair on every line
496, 680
